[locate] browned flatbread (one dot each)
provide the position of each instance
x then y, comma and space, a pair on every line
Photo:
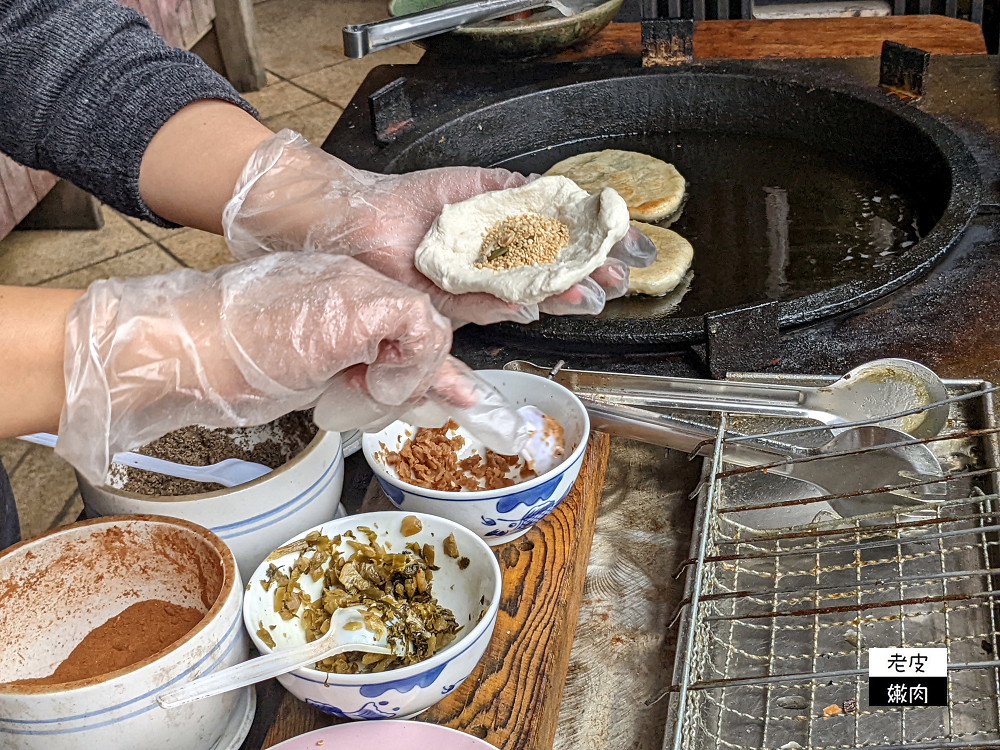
652, 188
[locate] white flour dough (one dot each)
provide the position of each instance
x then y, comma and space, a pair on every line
450, 249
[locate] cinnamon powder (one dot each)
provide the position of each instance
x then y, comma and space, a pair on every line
142, 630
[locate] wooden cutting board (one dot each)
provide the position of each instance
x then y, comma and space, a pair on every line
512, 699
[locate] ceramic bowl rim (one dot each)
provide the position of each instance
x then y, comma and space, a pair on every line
391, 675
368, 444
284, 468
529, 28
293, 741
229, 579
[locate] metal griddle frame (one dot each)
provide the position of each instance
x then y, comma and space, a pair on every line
769, 613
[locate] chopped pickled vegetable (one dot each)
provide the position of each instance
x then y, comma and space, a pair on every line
264, 635
450, 546
411, 525
394, 590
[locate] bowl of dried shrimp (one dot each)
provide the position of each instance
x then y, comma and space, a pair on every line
424, 582
446, 472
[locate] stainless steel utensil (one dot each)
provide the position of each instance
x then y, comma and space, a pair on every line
868, 392
365, 38
854, 461
775, 627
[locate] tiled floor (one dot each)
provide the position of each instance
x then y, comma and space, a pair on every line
309, 83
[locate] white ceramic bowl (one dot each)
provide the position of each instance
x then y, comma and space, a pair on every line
498, 516
253, 518
409, 690
59, 586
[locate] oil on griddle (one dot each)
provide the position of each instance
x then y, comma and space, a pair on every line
769, 218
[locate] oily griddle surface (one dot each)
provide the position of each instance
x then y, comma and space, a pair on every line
769, 218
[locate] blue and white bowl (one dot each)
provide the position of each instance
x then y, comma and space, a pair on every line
472, 594
497, 516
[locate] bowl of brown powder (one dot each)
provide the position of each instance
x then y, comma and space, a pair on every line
446, 472
302, 490
97, 617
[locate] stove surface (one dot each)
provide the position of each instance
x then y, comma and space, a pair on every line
945, 319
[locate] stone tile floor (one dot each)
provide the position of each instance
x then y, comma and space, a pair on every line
309, 82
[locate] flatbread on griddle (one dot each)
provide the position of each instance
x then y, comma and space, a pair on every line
652, 188
673, 259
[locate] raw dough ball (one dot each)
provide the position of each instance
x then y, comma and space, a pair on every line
652, 188
448, 253
673, 258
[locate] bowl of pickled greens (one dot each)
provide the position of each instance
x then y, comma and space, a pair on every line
428, 585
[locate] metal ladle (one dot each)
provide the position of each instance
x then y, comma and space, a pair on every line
865, 394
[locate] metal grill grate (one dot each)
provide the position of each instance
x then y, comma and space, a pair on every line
777, 622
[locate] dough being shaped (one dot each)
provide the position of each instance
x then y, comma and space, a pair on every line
652, 188
448, 253
673, 258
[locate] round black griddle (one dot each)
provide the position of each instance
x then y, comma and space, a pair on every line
822, 197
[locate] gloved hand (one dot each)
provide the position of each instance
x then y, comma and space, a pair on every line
247, 343
294, 196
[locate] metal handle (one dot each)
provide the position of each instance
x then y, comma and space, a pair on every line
365, 38
759, 399
683, 435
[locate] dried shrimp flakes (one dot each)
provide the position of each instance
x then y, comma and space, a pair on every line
430, 459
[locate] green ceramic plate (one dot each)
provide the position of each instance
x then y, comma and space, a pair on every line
545, 32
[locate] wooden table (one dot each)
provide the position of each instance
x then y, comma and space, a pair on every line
512, 700
799, 38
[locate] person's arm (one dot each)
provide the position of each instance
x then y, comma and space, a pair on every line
191, 166
32, 342
86, 85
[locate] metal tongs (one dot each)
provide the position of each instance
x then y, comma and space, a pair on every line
364, 38
853, 461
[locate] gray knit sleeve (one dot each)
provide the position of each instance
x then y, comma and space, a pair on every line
85, 85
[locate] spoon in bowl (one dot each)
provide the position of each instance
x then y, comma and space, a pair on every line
229, 473
347, 633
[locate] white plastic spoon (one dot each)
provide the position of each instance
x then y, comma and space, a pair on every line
336, 641
228, 473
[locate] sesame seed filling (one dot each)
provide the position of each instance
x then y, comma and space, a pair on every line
522, 240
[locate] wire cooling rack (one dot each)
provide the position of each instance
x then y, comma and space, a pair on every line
777, 620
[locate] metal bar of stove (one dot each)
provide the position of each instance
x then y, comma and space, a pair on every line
992, 458
869, 530
863, 493
836, 548
855, 452
696, 591
808, 676
859, 585
977, 12
869, 422
947, 620
864, 607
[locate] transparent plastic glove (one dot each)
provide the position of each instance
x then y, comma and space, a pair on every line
294, 196
239, 346
456, 392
